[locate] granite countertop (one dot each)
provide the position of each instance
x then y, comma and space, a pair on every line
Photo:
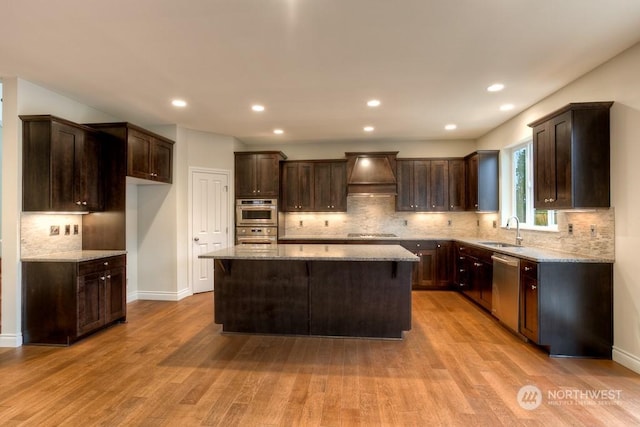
315, 252
74, 256
524, 252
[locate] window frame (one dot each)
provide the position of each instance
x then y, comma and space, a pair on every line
529, 224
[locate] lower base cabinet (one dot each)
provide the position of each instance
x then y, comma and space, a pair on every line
435, 266
474, 274
64, 301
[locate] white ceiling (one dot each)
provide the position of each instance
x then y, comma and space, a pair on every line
312, 63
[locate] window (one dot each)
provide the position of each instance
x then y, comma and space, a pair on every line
522, 191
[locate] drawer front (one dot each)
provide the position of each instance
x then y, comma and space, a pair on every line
101, 264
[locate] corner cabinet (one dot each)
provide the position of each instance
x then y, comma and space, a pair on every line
257, 173
61, 165
571, 157
149, 155
65, 301
482, 181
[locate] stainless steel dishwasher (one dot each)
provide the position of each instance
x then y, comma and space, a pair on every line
505, 298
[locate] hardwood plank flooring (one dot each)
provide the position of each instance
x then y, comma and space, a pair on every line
171, 366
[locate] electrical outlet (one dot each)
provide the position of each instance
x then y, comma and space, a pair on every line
449, 222
477, 223
67, 230
300, 223
54, 230
326, 223
406, 222
75, 228
594, 231
495, 223
570, 228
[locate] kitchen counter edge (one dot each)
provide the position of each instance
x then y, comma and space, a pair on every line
74, 256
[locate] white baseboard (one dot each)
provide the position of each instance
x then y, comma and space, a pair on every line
626, 359
161, 296
10, 340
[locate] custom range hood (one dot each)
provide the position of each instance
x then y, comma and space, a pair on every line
371, 173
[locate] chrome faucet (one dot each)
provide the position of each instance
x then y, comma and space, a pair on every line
518, 236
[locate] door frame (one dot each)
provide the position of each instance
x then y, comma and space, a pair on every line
230, 215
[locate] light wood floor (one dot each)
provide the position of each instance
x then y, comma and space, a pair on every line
171, 366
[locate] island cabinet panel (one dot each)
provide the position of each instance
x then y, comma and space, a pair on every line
262, 296
65, 301
571, 157
257, 173
361, 299
61, 166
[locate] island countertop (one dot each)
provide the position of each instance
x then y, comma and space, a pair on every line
315, 252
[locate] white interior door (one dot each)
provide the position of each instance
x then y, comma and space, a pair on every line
209, 223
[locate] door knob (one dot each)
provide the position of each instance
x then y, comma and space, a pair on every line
196, 239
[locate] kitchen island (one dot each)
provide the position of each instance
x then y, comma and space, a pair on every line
314, 289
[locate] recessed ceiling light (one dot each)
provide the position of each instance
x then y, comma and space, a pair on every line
451, 126
179, 103
368, 128
373, 103
506, 107
496, 87
257, 107
278, 131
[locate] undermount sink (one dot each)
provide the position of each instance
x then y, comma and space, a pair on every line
499, 244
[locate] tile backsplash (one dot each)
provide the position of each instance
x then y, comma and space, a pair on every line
36, 238
378, 215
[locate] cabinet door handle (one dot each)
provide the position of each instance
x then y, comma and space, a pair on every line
527, 269
439, 246
78, 203
108, 276
477, 264
101, 277
105, 263
534, 287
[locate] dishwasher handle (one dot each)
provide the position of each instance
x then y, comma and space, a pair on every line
512, 262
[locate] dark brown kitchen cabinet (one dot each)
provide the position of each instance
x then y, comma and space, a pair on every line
330, 186
257, 173
457, 185
61, 165
149, 155
433, 271
474, 274
571, 157
482, 181
567, 307
438, 186
64, 301
412, 185
297, 186
529, 300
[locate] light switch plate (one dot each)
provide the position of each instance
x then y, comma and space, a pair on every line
54, 230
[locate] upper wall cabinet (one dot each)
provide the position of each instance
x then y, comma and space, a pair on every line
482, 181
330, 186
435, 185
297, 186
257, 173
571, 157
149, 156
61, 166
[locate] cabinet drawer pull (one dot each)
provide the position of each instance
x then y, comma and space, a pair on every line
527, 269
106, 263
101, 277
534, 287
108, 276
477, 264
78, 203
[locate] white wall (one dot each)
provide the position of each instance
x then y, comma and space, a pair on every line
163, 223
616, 80
22, 97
